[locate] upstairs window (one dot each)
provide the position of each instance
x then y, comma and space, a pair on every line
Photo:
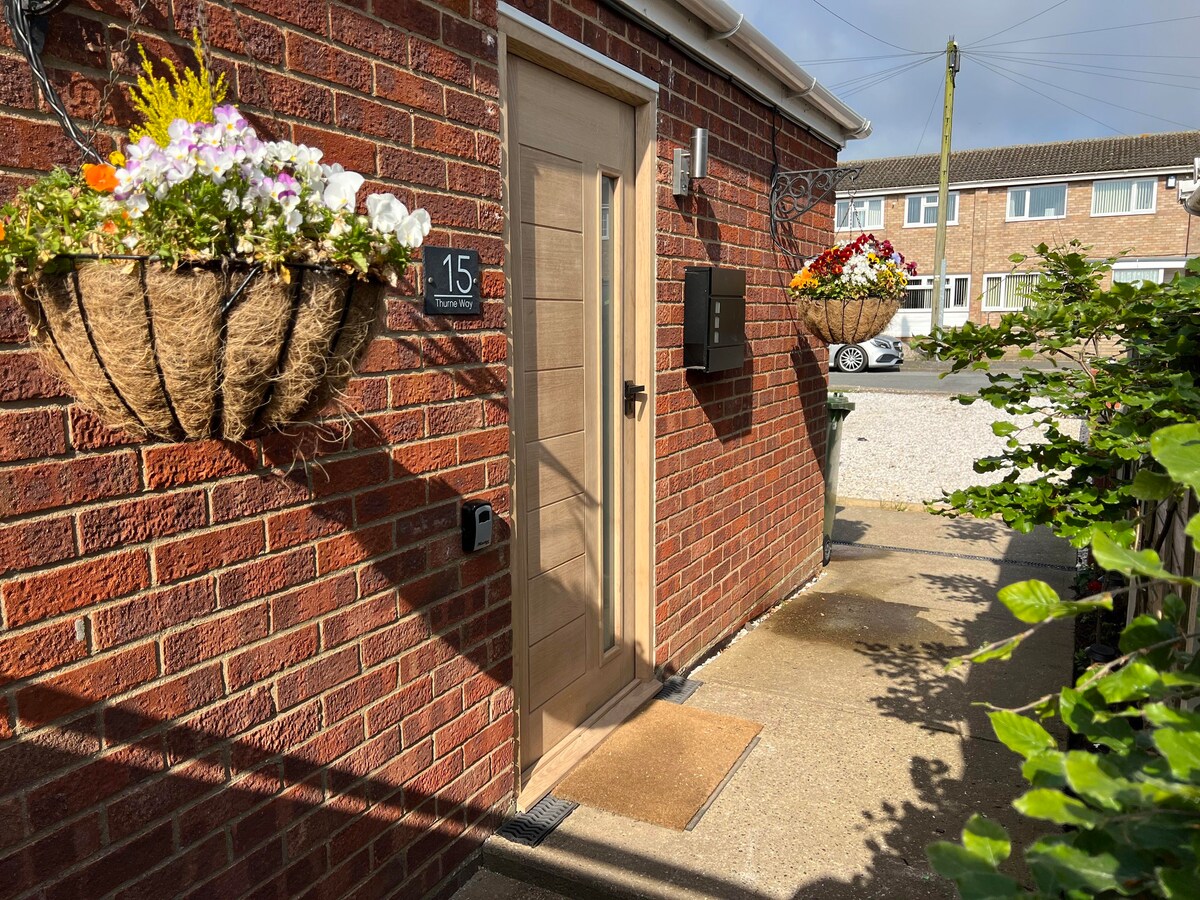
922, 210
1042, 201
859, 214
919, 292
1123, 197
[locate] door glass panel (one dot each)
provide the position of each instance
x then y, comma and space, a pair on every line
607, 409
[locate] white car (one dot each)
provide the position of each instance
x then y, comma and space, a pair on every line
881, 352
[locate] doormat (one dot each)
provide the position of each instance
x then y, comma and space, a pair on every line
663, 766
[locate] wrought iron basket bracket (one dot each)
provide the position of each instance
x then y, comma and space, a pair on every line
29, 21
795, 193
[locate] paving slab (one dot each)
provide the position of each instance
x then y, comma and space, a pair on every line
485, 885
869, 751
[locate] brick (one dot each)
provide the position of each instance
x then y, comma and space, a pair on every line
39, 650
106, 872
181, 464
33, 488
317, 58
365, 34
152, 612
88, 431
299, 526
29, 434
51, 854
352, 152
404, 702
29, 544
423, 722
258, 494
351, 474
61, 590
388, 571
266, 575
163, 703
395, 640
364, 617
412, 15
158, 798
261, 662
390, 500
312, 601
359, 693
280, 736
79, 688
184, 870
135, 521
409, 90
237, 716
350, 549
367, 117
316, 677
203, 552
214, 636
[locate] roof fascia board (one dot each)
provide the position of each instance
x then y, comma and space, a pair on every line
693, 35
1014, 182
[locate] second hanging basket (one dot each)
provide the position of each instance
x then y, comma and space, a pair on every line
225, 351
847, 321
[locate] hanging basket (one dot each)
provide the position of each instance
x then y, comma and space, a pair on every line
847, 321
222, 351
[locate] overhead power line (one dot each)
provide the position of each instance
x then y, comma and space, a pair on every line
866, 86
1046, 37
881, 56
1098, 99
860, 30
1094, 71
932, 106
1080, 112
869, 76
1009, 28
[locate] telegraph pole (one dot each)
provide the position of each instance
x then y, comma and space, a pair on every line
939, 244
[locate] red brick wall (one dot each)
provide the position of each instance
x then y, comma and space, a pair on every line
229, 671
740, 490
224, 671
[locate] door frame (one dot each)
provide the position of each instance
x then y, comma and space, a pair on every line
521, 35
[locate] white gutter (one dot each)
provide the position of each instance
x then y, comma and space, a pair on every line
731, 25
716, 33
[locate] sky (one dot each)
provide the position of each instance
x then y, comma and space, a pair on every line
1030, 83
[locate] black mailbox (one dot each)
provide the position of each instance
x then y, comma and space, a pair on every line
714, 318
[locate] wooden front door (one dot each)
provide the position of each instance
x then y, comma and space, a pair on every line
571, 190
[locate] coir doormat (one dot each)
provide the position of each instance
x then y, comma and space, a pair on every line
662, 766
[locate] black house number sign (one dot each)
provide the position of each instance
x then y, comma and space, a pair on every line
451, 282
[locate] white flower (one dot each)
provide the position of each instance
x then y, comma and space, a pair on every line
385, 212
341, 188
137, 204
413, 229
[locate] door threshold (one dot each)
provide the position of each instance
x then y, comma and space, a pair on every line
541, 778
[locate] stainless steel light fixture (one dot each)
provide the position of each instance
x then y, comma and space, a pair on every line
691, 163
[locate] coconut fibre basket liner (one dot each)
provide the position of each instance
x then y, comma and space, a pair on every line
847, 321
200, 351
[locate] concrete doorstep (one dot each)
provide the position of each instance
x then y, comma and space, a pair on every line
870, 750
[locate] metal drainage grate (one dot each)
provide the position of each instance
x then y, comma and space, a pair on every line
1025, 564
678, 689
531, 827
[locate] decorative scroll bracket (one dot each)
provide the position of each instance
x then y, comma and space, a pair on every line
793, 194
28, 20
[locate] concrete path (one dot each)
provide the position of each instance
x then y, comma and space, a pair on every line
869, 750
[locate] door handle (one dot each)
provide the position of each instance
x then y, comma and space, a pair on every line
632, 393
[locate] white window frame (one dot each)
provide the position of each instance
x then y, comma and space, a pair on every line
948, 285
863, 226
1132, 182
1008, 217
1006, 305
1160, 265
925, 204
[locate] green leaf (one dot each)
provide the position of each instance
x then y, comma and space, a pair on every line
1045, 770
1089, 776
1059, 867
986, 839
1164, 716
1055, 806
1181, 749
1149, 485
1020, 734
956, 861
1133, 681
1003, 429
1177, 448
1183, 884
1030, 601
1193, 529
1111, 555
1099, 727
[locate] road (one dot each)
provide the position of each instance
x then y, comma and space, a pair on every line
915, 381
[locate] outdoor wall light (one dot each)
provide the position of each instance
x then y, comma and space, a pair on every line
691, 163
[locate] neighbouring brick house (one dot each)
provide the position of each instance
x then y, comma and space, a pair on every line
1112, 194
269, 668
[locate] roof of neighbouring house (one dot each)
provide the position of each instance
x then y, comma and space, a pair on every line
1176, 149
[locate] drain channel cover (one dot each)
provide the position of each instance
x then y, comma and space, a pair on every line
677, 689
531, 827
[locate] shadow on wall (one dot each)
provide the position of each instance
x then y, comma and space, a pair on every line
313, 729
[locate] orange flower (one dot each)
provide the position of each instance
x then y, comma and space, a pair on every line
100, 176
2, 231
109, 227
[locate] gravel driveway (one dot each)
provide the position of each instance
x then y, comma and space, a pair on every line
908, 448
